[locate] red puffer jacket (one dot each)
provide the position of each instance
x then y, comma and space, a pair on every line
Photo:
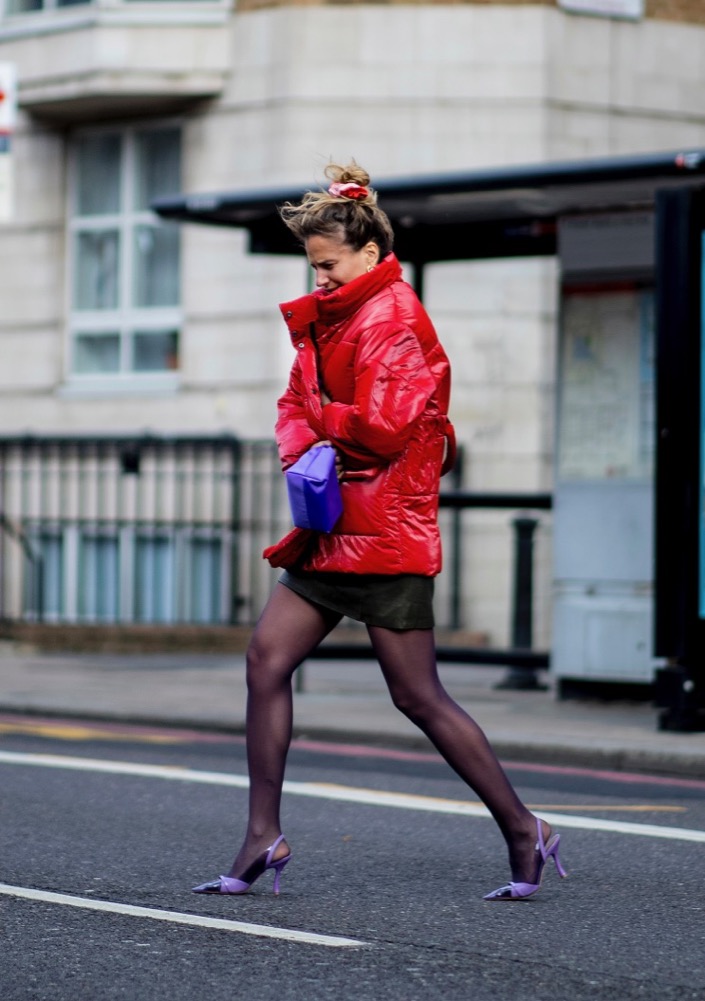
389, 379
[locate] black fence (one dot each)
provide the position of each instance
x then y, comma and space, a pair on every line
170, 529
520, 656
136, 529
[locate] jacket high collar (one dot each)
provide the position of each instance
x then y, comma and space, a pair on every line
333, 307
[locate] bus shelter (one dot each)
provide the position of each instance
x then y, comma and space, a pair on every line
629, 493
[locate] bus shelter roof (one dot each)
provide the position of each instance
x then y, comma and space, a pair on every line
491, 212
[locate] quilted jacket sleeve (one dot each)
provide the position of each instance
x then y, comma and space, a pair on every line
293, 432
393, 385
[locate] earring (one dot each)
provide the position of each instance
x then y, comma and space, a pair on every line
370, 267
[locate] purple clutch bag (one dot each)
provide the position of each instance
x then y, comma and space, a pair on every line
314, 491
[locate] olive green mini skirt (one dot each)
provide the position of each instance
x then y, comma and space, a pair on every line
402, 601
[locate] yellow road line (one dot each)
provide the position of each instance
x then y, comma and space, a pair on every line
68, 731
64, 731
596, 808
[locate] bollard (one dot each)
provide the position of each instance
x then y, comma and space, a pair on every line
522, 604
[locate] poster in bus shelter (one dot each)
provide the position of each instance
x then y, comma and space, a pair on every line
606, 384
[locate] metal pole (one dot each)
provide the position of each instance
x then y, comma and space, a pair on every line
456, 558
523, 598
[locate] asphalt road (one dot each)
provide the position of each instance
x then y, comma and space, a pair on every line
382, 900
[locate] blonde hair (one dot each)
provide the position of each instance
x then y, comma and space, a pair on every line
356, 218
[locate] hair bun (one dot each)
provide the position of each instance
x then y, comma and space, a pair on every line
346, 211
352, 173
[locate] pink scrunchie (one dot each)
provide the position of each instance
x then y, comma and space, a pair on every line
348, 190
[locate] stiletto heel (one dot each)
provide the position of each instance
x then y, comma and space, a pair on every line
228, 884
522, 891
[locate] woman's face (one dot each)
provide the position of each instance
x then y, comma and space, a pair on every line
335, 263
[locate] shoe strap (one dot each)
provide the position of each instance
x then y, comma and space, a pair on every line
271, 850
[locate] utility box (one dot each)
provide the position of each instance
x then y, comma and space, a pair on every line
604, 483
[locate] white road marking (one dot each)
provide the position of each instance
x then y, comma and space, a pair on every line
373, 797
123, 768
176, 917
345, 794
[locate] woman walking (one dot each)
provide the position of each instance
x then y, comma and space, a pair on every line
371, 379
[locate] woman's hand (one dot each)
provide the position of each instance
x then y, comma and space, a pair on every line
338, 460
325, 399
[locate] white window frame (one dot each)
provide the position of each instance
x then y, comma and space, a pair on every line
53, 15
45, 5
125, 318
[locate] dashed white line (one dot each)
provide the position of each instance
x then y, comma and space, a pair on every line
179, 918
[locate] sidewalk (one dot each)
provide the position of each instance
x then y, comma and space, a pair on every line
343, 701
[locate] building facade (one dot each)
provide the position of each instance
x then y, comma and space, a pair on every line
115, 324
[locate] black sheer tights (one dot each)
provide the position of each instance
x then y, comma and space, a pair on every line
290, 627
408, 663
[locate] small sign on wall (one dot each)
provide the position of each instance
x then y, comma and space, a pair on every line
632, 9
8, 103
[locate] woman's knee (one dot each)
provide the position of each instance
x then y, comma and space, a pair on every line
415, 704
267, 668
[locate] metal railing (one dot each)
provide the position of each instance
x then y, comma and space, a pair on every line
170, 529
137, 528
34, 566
520, 655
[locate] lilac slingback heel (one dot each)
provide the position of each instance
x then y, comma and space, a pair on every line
228, 884
521, 891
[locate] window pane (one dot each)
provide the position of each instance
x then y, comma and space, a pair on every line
158, 165
154, 584
96, 353
204, 580
51, 581
155, 351
125, 262
98, 180
98, 578
156, 265
97, 269
22, 6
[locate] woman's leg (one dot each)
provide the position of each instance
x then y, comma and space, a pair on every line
289, 628
408, 663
